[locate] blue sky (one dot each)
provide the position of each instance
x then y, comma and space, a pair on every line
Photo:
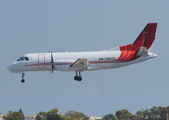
76, 25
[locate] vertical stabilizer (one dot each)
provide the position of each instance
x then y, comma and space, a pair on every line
144, 40
146, 37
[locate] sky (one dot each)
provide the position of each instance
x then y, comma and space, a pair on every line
82, 25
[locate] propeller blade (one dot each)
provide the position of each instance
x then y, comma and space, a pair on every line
51, 57
52, 62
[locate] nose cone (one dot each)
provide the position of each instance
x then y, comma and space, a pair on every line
9, 68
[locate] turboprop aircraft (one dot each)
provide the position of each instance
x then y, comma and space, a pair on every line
89, 61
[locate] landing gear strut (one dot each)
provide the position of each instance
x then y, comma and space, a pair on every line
78, 78
23, 75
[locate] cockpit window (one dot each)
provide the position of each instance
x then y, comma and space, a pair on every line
23, 59
26, 58
19, 59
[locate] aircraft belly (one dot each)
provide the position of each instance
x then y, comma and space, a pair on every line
94, 67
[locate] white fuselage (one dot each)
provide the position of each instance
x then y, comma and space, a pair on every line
88, 61
62, 61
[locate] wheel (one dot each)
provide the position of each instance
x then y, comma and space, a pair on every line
79, 78
76, 78
22, 80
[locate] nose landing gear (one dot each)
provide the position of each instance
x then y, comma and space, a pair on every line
78, 78
23, 75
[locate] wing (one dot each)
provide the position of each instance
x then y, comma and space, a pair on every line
80, 64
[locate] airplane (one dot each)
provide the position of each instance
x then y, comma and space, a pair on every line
88, 61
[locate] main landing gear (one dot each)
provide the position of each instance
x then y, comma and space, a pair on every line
23, 75
78, 78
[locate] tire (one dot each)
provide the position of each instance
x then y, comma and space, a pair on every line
76, 78
79, 78
22, 80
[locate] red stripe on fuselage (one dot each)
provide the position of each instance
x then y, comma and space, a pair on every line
90, 62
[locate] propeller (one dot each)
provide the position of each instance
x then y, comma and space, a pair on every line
52, 63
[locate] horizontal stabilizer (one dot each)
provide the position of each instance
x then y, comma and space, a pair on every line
141, 51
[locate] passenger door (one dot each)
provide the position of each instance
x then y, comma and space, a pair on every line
41, 61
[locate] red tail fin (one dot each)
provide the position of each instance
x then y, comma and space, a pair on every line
145, 39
